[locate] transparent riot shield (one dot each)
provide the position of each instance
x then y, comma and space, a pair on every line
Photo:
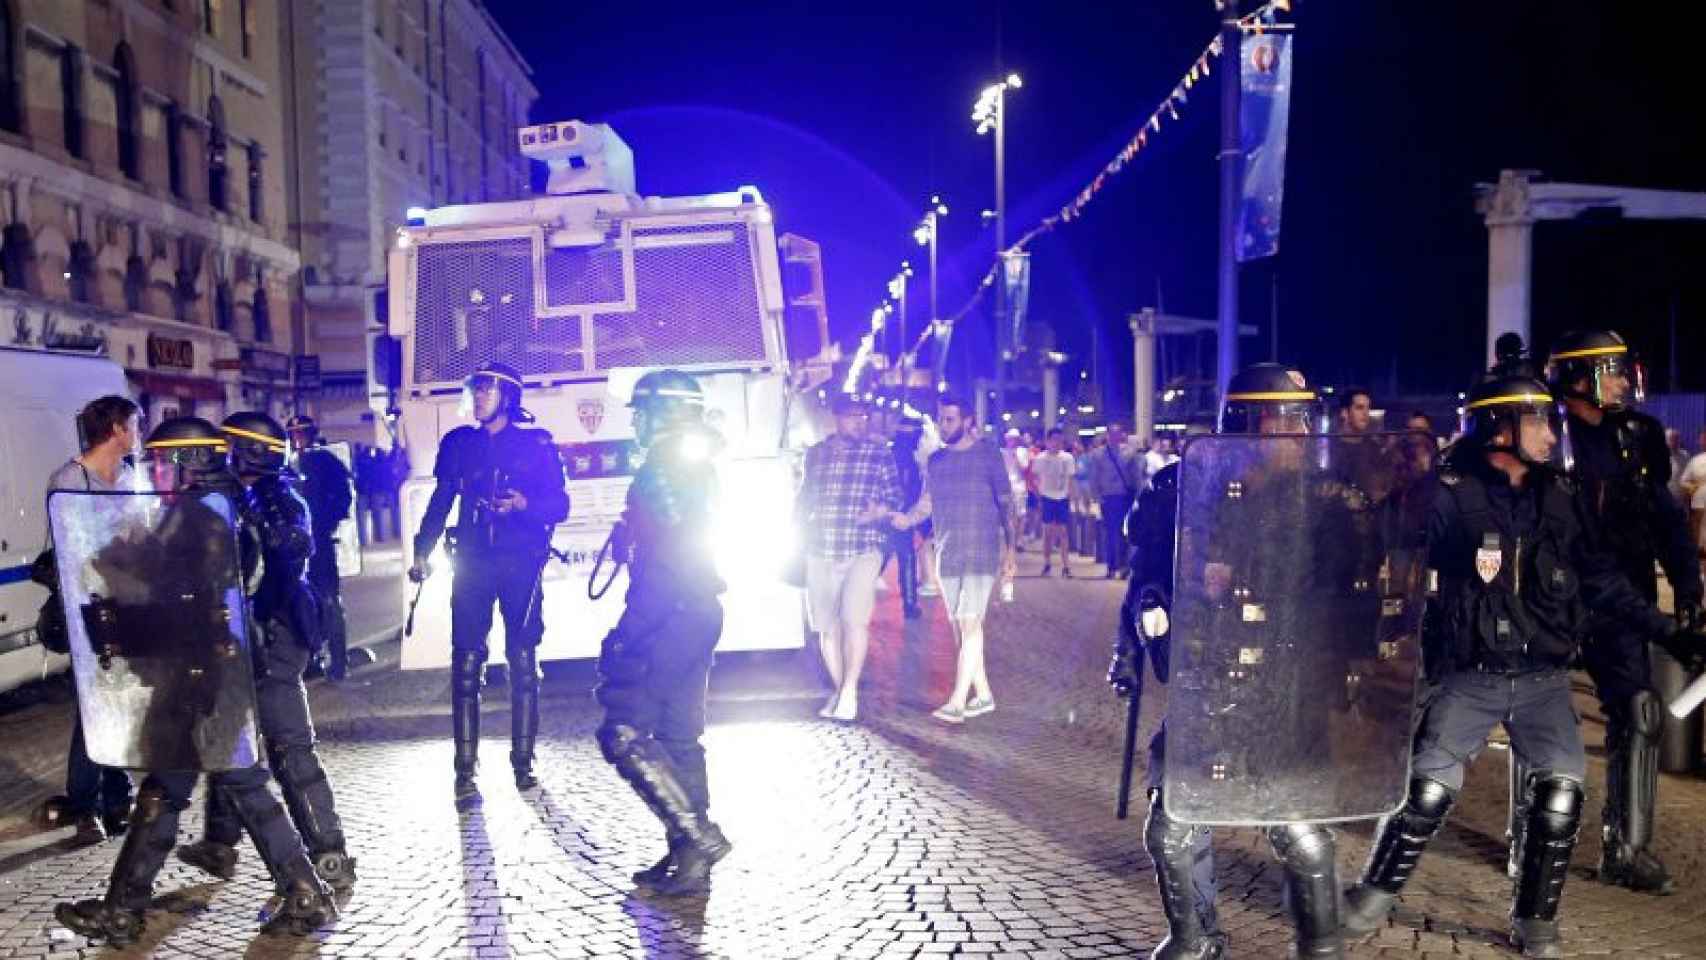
1300, 571
348, 538
159, 629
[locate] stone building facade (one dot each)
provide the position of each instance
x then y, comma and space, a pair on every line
396, 104
142, 195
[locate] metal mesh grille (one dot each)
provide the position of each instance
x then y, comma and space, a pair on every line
583, 275
695, 301
474, 305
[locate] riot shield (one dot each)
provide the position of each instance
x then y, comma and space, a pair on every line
348, 539
1300, 571
160, 638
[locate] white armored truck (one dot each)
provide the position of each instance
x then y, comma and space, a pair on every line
582, 290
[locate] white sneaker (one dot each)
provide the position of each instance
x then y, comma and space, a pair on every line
978, 706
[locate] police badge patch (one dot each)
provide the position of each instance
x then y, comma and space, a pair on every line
591, 414
1488, 561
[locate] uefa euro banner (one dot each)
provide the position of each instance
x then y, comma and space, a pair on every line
1264, 109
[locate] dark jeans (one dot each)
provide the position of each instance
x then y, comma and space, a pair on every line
89, 787
282, 706
653, 676
1535, 709
1116, 553
512, 583
1619, 663
323, 575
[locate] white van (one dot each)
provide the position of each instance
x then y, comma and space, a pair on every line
40, 394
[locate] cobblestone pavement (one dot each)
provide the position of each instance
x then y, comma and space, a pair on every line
895, 836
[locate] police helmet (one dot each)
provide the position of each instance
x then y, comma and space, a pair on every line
1582, 365
1500, 403
1270, 398
196, 447
258, 443
305, 424
667, 398
509, 383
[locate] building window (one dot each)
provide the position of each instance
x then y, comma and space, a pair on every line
210, 17
8, 64
256, 155
217, 171
246, 13
224, 307
71, 91
263, 316
17, 251
80, 267
135, 282
124, 98
174, 149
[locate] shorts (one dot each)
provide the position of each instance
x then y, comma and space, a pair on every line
1057, 511
1030, 500
842, 592
967, 595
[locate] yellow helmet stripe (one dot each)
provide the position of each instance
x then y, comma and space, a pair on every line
190, 442
257, 437
1591, 352
1509, 398
1273, 395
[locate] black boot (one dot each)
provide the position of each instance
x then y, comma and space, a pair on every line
337, 640
465, 666
336, 869
658, 872
1631, 789
1184, 876
1518, 814
99, 920
299, 909
646, 766
523, 714
211, 857
1403, 837
1305, 851
1554, 822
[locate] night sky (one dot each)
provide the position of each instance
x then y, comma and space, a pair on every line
849, 116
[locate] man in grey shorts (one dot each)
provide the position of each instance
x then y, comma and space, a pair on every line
968, 497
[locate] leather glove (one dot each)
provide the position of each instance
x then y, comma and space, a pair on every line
420, 571
1125, 671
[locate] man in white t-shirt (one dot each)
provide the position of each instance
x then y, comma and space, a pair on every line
1693, 483
1054, 469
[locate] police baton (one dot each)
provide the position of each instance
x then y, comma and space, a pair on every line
1129, 757
409, 625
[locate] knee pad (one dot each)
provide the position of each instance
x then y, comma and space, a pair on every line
1429, 800
297, 766
1304, 848
523, 669
1644, 715
618, 742
1556, 811
466, 671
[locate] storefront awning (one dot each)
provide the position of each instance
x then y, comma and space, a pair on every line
176, 385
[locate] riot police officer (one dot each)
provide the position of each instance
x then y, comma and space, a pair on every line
287, 620
189, 454
1622, 466
326, 485
508, 481
1262, 399
904, 446
1515, 560
654, 665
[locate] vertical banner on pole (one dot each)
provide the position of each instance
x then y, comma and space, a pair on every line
1265, 108
1016, 270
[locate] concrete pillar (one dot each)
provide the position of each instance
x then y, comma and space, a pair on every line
1143, 364
1510, 253
1051, 394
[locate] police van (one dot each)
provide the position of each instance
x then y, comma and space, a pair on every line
41, 392
582, 290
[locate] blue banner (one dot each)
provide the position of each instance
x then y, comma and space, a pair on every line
1264, 109
1017, 274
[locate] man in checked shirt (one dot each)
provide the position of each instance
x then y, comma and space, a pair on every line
849, 489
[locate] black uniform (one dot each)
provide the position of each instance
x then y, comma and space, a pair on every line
497, 558
1517, 567
1622, 467
326, 487
287, 622
905, 450
1182, 852
654, 666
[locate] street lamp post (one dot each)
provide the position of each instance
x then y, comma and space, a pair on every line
925, 234
990, 115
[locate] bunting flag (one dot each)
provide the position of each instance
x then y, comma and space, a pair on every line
1259, 22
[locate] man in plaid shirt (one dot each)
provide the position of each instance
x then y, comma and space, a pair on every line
849, 489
